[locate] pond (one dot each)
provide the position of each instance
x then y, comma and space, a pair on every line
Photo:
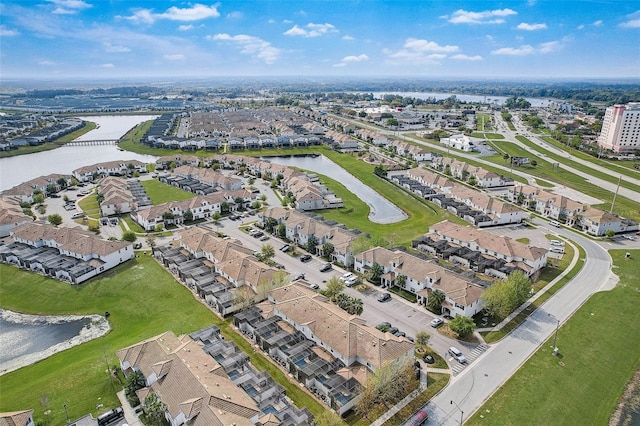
381, 210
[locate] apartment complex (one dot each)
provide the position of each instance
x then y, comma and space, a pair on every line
621, 128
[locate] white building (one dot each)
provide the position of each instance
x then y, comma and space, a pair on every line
621, 128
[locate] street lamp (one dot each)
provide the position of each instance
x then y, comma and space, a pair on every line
555, 336
461, 412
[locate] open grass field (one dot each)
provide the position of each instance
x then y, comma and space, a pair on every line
599, 348
144, 300
160, 192
90, 206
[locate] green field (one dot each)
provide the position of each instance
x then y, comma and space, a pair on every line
599, 349
144, 300
160, 192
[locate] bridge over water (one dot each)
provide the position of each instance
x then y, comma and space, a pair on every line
93, 142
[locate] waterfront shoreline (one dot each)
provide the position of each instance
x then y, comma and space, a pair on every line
97, 327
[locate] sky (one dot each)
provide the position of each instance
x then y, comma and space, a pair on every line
120, 39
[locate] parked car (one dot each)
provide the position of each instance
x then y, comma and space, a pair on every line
77, 216
392, 330
428, 359
285, 248
54, 195
137, 246
455, 352
325, 267
556, 243
419, 418
298, 276
305, 258
629, 237
436, 322
383, 297
400, 333
257, 234
346, 276
351, 281
279, 266
556, 250
314, 286
384, 324
264, 238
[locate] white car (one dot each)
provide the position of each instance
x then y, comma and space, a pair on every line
557, 243
350, 282
436, 322
347, 276
455, 352
557, 250
629, 237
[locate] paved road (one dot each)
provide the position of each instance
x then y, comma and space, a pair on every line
481, 379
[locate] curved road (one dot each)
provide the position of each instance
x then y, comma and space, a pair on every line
482, 378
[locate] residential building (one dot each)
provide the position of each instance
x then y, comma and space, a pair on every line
17, 418
621, 128
11, 215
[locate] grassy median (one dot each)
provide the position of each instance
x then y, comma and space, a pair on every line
599, 355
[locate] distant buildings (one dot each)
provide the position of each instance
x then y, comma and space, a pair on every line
621, 128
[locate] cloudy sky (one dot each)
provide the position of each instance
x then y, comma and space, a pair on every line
86, 39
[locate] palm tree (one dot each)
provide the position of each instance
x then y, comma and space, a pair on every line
435, 301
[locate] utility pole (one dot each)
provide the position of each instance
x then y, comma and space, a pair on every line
615, 194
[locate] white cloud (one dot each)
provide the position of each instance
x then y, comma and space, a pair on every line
6, 32
421, 51
462, 57
250, 45
515, 51
485, 17
313, 30
353, 58
106, 66
114, 48
598, 23
235, 15
176, 57
531, 27
185, 27
348, 38
69, 7
633, 20
46, 63
581, 27
195, 13
550, 46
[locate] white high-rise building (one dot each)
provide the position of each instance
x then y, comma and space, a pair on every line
621, 128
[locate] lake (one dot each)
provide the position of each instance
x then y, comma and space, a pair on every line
381, 209
25, 339
21, 168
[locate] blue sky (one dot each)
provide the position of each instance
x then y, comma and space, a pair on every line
541, 39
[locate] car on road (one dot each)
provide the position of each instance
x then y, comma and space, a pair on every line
285, 248
314, 286
305, 258
556, 243
346, 276
54, 195
383, 297
325, 267
629, 237
264, 238
279, 266
351, 281
419, 418
436, 322
455, 352
257, 234
298, 276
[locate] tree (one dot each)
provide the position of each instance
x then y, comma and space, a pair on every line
380, 171
270, 224
462, 325
278, 279
133, 382
422, 338
256, 205
312, 242
224, 207
267, 252
188, 216
386, 386
154, 411
401, 280
243, 298
392, 122
472, 181
327, 250
282, 231
129, 236
38, 198
435, 301
55, 219
375, 273
334, 287
610, 233
503, 296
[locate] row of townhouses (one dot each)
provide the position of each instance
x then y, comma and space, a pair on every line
589, 219
11, 215
205, 380
108, 168
323, 347
464, 171
221, 271
67, 254
481, 251
422, 277
25, 191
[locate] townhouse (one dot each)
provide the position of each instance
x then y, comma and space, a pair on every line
44, 184
67, 254
464, 171
11, 215
463, 296
482, 251
108, 168
116, 196
204, 176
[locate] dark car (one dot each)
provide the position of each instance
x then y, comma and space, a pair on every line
298, 276
305, 258
325, 267
383, 297
419, 418
428, 359
54, 196
392, 330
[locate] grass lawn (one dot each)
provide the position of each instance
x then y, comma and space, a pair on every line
162, 193
435, 382
133, 226
599, 348
90, 206
77, 377
487, 135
